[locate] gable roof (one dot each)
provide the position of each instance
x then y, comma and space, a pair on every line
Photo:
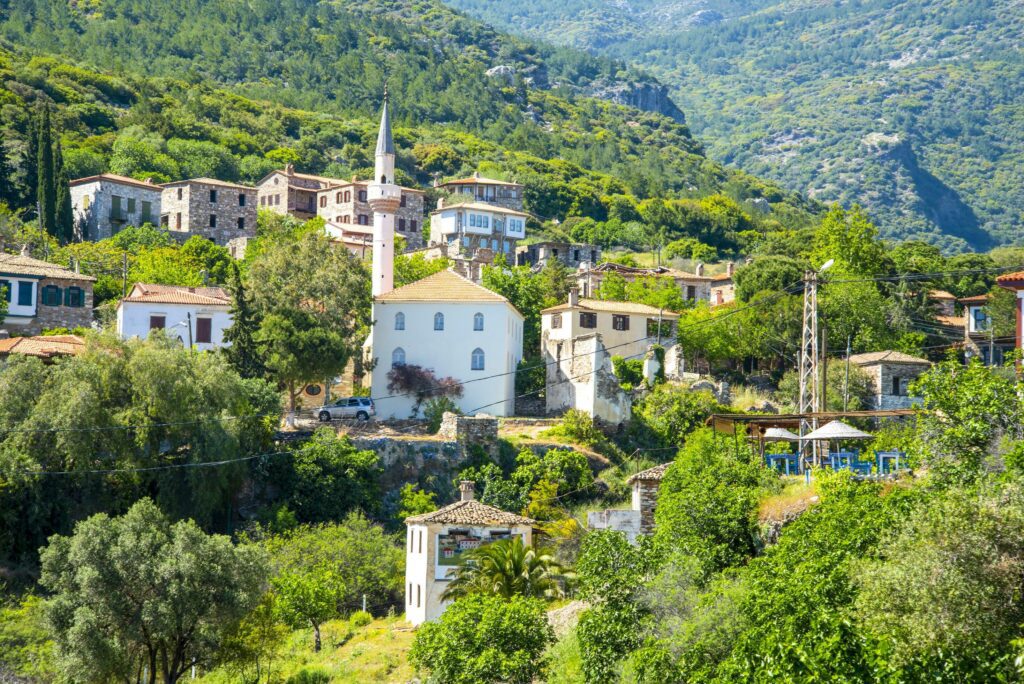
21, 264
470, 513
43, 346
114, 178
639, 271
176, 294
941, 294
655, 474
479, 206
443, 286
889, 356
1007, 278
976, 299
612, 306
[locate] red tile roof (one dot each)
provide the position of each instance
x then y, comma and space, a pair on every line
176, 294
1015, 277
43, 346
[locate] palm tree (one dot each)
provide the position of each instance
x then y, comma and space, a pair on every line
507, 568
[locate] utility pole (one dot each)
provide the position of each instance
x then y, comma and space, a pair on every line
846, 382
991, 342
188, 317
810, 379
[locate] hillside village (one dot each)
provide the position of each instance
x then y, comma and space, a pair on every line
393, 401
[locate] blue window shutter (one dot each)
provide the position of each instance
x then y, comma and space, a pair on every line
25, 293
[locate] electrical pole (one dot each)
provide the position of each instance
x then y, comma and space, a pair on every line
808, 368
188, 317
991, 343
846, 382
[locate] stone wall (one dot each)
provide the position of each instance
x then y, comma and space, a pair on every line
625, 521
579, 375
645, 500
70, 317
882, 375
99, 220
332, 205
188, 208
481, 430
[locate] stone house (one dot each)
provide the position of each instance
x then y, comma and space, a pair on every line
216, 210
578, 341
572, 255
979, 341
435, 542
891, 373
104, 205
199, 313
41, 296
345, 204
639, 518
287, 191
723, 289
489, 190
694, 287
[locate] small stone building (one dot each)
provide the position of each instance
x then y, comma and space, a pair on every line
891, 373
216, 210
572, 255
105, 204
345, 204
41, 296
694, 287
287, 191
436, 541
45, 347
639, 519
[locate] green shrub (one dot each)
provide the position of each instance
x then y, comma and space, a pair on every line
310, 675
577, 426
434, 410
630, 372
360, 618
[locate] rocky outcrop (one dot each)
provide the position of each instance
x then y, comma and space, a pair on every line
644, 95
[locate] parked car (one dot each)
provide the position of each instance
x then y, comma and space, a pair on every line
361, 408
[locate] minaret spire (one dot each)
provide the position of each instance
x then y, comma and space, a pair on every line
384, 198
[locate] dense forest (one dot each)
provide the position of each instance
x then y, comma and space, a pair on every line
909, 108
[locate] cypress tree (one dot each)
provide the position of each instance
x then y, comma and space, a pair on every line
46, 197
7, 193
245, 322
65, 216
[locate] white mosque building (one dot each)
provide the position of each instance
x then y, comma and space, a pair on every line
444, 322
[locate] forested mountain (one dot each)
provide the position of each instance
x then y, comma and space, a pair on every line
228, 89
913, 109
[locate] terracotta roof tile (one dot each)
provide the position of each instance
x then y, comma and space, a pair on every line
478, 206
43, 347
474, 180
889, 356
611, 306
470, 513
19, 264
1011, 277
176, 294
655, 474
443, 286
976, 299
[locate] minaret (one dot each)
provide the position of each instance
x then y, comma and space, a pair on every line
384, 198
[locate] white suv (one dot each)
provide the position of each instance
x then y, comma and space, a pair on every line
360, 408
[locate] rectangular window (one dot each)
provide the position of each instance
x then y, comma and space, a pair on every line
620, 322
588, 320
323, 200
147, 212
418, 586
556, 321
362, 195
576, 255
241, 199
409, 597
421, 541
401, 203
241, 223
50, 295
213, 196
131, 206
115, 208
896, 387
179, 193
204, 330
412, 225
157, 322
401, 224
74, 297
263, 200
980, 320
691, 292
213, 220
177, 221
24, 294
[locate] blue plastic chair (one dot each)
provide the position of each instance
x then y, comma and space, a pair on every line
784, 463
890, 461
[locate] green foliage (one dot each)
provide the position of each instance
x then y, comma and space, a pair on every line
767, 274
26, 645
569, 469
240, 337
578, 427
670, 413
507, 568
175, 399
414, 501
140, 590
483, 638
360, 618
434, 410
327, 477
707, 502
858, 389
309, 596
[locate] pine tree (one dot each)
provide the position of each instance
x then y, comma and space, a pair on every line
65, 216
245, 321
46, 199
7, 190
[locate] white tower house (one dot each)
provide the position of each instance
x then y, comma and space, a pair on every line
384, 198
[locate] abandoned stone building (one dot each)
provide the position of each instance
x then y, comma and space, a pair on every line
216, 210
345, 204
891, 373
639, 518
572, 255
694, 287
106, 204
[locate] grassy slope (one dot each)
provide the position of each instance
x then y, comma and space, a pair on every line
913, 108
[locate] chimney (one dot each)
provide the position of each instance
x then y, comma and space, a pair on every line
466, 490
440, 202
730, 268
476, 174
574, 297
289, 169
699, 270
24, 250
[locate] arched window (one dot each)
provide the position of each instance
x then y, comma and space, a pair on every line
399, 321
398, 357
439, 321
383, 180
337, 197
477, 362
478, 321
348, 195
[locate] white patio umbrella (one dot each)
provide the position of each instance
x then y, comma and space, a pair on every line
777, 434
837, 429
